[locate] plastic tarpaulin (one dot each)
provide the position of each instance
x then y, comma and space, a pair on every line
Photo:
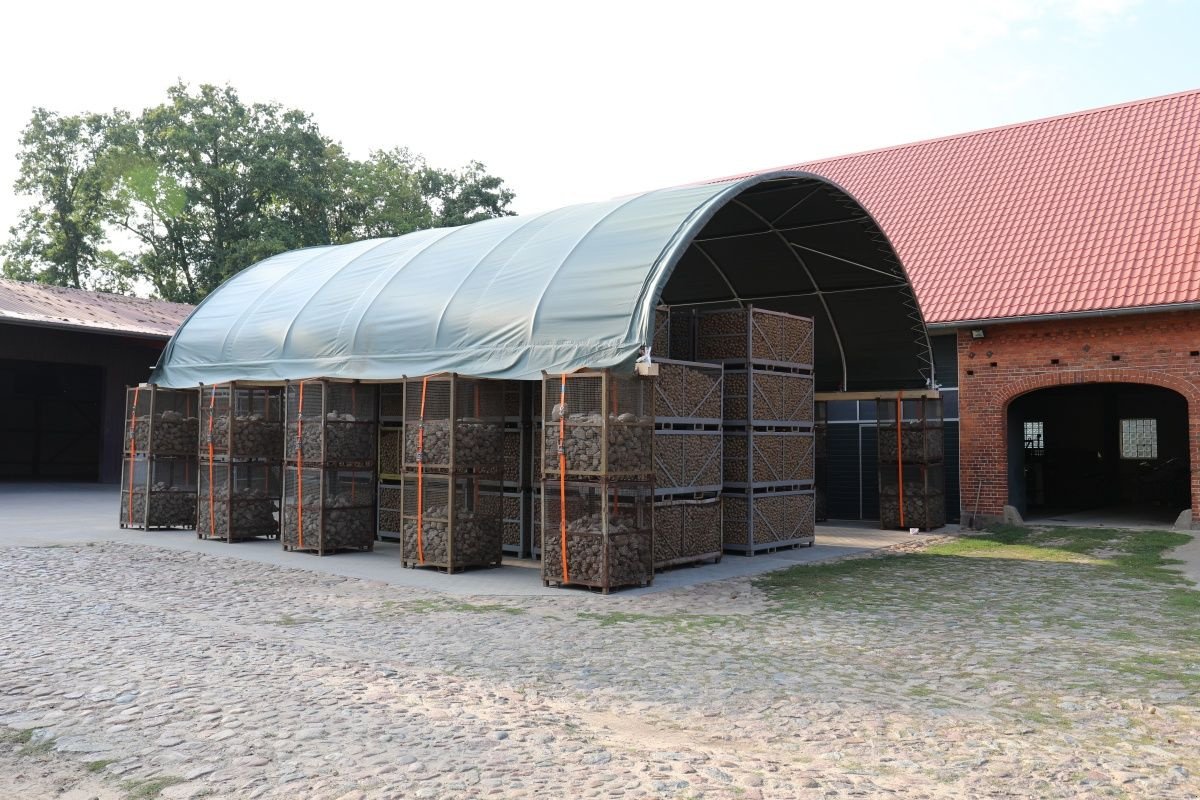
503, 298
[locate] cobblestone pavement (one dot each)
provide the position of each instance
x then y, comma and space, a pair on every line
130, 671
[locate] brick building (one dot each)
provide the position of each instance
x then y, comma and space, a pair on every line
1057, 263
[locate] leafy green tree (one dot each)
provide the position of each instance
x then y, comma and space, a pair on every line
203, 185
64, 169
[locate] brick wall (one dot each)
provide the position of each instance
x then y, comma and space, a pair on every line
1160, 349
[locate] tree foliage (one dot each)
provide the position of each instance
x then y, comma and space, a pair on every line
195, 189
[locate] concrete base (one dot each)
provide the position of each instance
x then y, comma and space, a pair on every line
44, 515
1184, 521
1012, 516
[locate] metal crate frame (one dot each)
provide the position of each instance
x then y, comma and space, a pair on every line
922, 504
450, 410
759, 337
675, 375
911, 430
704, 513
220, 420
797, 392
701, 452
220, 526
145, 402
751, 511
180, 511
605, 497
295, 423
458, 492
292, 534
641, 389
760, 461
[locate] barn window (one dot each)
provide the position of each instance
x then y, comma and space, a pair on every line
1034, 443
1139, 438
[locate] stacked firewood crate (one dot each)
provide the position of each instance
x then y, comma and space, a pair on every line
391, 468
598, 471
688, 447
517, 472
451, 513
769, 459
911, 469
241, 456
330, 449
159, 469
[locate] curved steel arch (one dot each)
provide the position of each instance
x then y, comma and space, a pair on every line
575, 287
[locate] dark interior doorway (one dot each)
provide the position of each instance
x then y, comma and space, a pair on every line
51, 417
1120, 446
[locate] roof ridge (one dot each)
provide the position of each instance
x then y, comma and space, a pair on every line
124, 298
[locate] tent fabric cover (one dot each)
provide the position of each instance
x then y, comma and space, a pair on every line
509, 297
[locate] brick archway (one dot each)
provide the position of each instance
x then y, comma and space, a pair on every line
984, 464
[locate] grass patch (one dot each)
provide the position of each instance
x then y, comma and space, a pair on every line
41, 748
98, 766
391, 608
287, 620
9, 736
676, 621
150, 788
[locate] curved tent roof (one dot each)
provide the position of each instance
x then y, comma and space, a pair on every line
575, 287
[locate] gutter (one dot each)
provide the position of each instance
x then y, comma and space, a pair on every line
71, 326
1067, 315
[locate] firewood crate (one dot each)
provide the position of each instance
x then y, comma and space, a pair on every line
391, 447
760, 523
450, 522
328, 509
391, 402
921, 505
917, 437
516, 447
687, 531
754, 335
687, 392
768, 397
516, 529
759, 458
388, 523
687, 460
608, 531
607, 425
674, 334
241, 422
161, 422
239, 500
331, 424
158, 492
453, 425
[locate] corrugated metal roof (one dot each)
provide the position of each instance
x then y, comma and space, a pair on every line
38, 304
1085, 212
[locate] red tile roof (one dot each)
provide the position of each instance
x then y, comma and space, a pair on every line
1090, 211
38, 304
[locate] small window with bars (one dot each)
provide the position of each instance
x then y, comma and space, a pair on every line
1034, 442
1139, 438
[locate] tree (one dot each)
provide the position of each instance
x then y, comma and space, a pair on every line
64, 168
204, 185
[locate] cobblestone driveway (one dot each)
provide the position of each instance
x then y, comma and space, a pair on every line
127, 671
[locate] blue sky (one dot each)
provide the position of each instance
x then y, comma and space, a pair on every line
573, 102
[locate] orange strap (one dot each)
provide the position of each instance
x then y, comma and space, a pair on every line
421, 474
900, 453
212, 518
562, 476
132, 451
300, 468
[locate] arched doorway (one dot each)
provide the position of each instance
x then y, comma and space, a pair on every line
1115, 451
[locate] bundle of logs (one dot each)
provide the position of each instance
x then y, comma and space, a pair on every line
755, 520
725, 335
345, 522
254, 436
924, 507
686, 532
922, 442
477, 539
174, 434
389, 451
346, 439
512, 456
777, 396
629, 557
475, 443
250, 513
688, 392
629, 444
683, 460
170, 506
776, 457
